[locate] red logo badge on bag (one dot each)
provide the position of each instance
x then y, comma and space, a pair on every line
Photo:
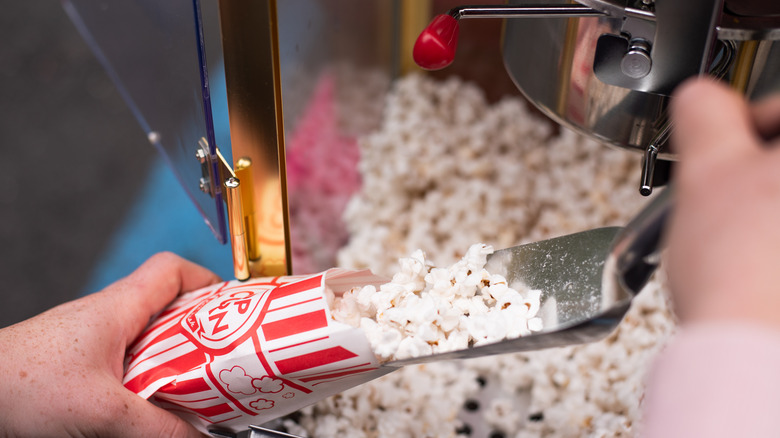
224, 320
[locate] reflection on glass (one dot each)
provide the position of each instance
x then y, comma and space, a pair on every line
337, 60
150, 49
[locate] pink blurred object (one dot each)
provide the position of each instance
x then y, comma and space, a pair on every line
322, 176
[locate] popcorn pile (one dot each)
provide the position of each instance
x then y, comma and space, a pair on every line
426, 310
447, 169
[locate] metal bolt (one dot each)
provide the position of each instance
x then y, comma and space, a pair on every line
205, 186
201, 156
636, 63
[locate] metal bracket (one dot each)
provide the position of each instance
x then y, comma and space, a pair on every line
226, 182
208, 183
624, 60
203, 156
681, 47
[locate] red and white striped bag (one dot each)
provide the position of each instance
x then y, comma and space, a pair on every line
241, 353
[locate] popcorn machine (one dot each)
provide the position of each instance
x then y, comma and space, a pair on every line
256, 105
602, 67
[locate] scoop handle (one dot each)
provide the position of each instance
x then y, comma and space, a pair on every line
636, 252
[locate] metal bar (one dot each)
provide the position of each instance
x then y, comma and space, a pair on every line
746, 55
685, 37
237, 235
244, 173
503, 11
650, 157
262, 432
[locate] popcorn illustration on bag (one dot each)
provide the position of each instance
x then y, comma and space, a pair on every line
236, 354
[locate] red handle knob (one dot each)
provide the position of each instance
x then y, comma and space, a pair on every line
435, 47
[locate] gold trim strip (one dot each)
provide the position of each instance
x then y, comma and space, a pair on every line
743, 65
415, 15
244, 173
281, 151
253, 81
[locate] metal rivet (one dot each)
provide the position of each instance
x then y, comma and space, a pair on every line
204, 185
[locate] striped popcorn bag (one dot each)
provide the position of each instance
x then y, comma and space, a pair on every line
241, 353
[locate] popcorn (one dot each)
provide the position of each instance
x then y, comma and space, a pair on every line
447, 169
426, 310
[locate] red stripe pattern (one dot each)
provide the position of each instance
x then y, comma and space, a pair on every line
236, 353
293, 325
314, 359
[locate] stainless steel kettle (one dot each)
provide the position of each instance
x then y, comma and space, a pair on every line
606, 68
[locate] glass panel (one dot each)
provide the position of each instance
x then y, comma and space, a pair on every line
151, 49
337, 58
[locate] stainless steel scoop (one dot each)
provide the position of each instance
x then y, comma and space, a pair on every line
587, 279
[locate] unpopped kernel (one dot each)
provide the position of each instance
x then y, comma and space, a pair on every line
426, 310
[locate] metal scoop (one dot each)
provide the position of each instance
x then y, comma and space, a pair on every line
576, 308
587, 279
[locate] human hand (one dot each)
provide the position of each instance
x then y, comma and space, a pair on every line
61, 371
724, 237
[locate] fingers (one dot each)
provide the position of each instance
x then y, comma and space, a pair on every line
711, 121
766, 116
139, 417
154, 285
171, 275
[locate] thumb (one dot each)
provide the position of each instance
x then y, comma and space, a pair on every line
710, 120
153, 286
766, 116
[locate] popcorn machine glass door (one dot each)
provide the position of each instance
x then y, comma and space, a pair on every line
155, 54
